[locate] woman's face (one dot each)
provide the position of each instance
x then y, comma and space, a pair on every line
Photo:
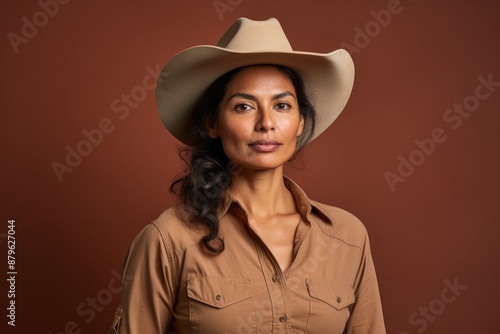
259, 120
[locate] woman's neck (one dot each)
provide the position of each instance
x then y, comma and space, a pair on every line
262, 194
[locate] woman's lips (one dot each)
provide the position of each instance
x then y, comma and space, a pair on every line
267, 145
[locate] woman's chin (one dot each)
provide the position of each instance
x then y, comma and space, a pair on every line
261, 165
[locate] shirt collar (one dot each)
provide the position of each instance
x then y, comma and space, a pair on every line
303, 203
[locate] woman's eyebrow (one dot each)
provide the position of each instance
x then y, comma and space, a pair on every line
253, 98
282, 95
243, 95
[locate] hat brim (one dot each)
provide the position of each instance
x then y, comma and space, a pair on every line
328, 79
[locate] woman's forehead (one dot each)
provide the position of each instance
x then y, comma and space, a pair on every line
260, 78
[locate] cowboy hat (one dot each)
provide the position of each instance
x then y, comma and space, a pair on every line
328, 77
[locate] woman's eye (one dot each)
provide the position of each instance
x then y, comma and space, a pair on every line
283, 106
242, 107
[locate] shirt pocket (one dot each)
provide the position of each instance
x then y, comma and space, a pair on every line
330, 303
218, 305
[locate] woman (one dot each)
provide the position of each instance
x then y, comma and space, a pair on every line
246, 251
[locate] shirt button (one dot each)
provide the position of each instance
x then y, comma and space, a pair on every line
339, 299
282, 318
276, 278
218, 297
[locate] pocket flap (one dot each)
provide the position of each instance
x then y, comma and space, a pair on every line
218, 292
336, 294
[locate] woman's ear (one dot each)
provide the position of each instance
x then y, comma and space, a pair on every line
211, 129
300, 130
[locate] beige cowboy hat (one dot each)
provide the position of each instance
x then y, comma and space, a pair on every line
328, 77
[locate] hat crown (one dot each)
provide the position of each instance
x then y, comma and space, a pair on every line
247, 35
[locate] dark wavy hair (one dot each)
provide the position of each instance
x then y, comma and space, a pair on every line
203, 185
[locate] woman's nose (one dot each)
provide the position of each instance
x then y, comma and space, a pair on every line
265, 122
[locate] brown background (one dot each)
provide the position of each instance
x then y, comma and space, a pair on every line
440, 224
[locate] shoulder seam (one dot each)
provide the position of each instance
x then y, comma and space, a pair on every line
334, 237
168, 249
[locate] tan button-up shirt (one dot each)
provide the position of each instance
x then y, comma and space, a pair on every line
171, 284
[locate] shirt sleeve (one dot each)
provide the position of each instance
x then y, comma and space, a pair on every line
366, 316
148, 286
